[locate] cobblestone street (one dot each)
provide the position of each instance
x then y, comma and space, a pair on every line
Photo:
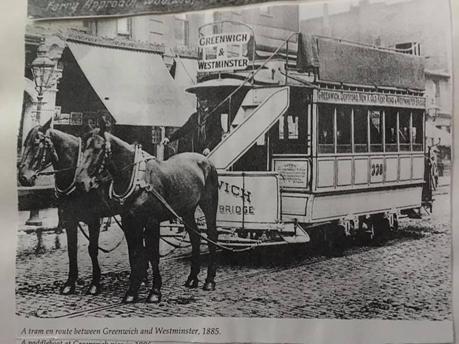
406, 279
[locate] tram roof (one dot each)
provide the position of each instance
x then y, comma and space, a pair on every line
340, 61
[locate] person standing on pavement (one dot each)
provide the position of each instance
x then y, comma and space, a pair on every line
204, 125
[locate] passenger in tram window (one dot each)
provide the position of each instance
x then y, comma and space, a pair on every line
360, 130
404, 131
375, 131
343, 131
391, 130
204, 125
326, 129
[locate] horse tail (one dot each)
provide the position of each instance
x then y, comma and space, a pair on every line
210, 196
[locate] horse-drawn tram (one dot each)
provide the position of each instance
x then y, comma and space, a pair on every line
323, 138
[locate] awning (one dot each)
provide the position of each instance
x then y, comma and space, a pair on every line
185, 76
136, 87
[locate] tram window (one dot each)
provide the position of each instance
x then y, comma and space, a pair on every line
326, 129
288, 128
343, 130
404, 131
375, 131
290, 134
417, 131
390, 131
360, 131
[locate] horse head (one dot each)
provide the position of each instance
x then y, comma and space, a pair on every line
96, 152
37, 155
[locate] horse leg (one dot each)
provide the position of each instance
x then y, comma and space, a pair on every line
133, 231
195, 239
94, 231
72, 249
209, 208
152, 236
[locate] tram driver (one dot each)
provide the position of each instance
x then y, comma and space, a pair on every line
204, 125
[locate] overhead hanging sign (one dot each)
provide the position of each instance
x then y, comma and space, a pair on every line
45, 9
223, 52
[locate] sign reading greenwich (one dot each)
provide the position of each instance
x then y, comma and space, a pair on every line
43, 9
223, 52
359, 98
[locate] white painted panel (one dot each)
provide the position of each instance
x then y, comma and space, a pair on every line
326, 173
360, 171
294, 205
405, 168
418, 167
376, 170
344, 172
247, 133
391, 169
333, 206
248, 198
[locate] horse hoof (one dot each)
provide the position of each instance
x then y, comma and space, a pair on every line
129, 299
68, 289
93, 290
209, 286
154, 297
192, 283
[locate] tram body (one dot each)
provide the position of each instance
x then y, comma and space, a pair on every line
303, 153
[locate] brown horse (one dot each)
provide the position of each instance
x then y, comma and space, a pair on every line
184, 182
44, 146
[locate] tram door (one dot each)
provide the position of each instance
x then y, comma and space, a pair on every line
292, 135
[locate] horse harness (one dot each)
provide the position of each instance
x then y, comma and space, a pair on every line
137, 181
45, 143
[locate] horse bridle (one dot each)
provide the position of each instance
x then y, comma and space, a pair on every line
45, 147
106, 158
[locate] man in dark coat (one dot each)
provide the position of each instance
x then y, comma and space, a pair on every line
204, 126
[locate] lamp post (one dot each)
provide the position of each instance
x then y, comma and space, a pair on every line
43, 72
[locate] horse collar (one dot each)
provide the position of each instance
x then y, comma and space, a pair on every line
137, 177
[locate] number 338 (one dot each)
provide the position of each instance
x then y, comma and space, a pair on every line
377, 169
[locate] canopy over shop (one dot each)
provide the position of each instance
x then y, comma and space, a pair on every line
131, 88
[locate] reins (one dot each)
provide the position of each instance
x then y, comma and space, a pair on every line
150, 189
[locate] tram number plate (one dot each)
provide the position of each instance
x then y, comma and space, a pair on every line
377, 169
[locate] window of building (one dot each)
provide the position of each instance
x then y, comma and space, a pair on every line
326, 129
390, 130
181, 30
343, 130
90, 26
124, 27
417, 131
404, 136
411, 48
360, 130
156, 30
375, 131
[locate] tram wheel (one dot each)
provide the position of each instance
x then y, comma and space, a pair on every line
334, 240
379, 229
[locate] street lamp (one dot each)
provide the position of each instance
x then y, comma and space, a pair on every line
43, 73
